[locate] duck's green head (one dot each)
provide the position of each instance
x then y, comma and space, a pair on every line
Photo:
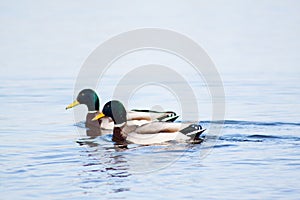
115, 110
87, 97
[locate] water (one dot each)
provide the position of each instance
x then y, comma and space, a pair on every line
45, 154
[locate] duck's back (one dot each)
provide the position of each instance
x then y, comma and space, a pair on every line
159, 127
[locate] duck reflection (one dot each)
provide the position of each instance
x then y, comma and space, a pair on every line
104, 166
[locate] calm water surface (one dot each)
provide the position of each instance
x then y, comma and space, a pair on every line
44, 154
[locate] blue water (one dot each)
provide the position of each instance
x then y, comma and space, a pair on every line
46, 155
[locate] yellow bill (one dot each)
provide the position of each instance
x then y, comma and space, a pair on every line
75, 103
99, 116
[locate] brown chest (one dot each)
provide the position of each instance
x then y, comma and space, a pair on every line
118, 137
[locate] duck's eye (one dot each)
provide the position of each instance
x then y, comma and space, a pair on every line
82, 94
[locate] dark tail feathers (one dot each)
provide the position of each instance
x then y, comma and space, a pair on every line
194, 131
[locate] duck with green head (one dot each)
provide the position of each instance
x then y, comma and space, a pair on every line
150, 133
90, 98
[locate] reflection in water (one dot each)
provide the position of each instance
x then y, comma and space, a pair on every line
104, 169
108, 168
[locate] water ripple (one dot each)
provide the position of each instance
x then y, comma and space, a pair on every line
253, 123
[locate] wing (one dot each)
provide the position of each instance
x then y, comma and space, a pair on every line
137, 122
158, 138
151, 115
138, 116
159, 127
160, 132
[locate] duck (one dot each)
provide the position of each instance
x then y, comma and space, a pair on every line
155, 132
91, 99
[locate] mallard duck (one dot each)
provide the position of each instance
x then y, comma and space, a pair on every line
90, 98
150, 133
